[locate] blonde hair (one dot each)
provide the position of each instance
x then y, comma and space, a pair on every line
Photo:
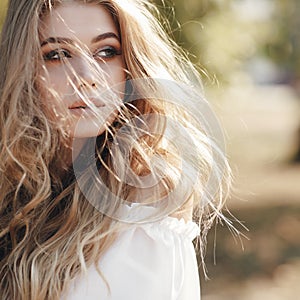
49, 232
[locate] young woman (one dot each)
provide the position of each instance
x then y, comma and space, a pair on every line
107, 169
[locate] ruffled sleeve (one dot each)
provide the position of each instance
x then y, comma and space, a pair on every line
153, 261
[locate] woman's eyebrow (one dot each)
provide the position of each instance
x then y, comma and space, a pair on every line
55, 40
63, 40
104, 36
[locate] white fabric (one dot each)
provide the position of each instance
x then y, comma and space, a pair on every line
154, 261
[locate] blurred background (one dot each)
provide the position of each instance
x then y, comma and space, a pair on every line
248, 52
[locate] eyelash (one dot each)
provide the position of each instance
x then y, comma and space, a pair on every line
59, 54
56, 55
111, 50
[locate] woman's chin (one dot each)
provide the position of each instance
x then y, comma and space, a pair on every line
90, 132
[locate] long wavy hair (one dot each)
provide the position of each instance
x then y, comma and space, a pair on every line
49, 232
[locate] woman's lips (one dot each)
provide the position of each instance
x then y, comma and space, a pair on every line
91, 103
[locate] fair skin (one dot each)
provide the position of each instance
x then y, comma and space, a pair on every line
76, 38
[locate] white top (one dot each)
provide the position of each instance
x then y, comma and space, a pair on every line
153, 261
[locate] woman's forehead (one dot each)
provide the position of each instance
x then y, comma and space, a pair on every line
77, 21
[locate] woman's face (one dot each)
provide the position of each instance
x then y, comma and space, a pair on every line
82, 55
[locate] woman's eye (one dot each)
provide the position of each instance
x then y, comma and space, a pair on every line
107, 52
56, 55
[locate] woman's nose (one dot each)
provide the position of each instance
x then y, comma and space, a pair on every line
85, 74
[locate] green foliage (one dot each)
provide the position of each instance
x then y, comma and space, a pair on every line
283, 47
221, 35
3, 6
217, 38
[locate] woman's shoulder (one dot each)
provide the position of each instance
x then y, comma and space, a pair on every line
178, 223
153, 260
168, 225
